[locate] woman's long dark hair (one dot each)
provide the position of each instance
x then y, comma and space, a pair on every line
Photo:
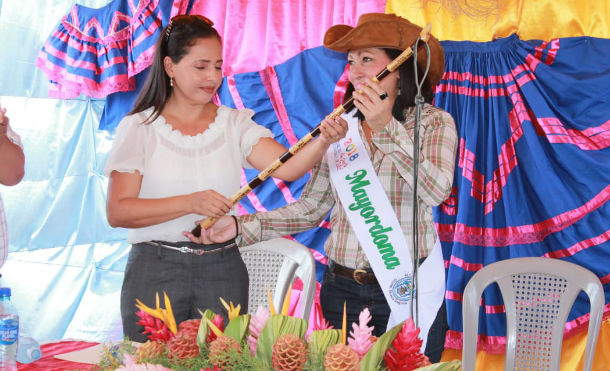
406, 87
174, 41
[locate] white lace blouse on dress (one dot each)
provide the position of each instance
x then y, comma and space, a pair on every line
174, 164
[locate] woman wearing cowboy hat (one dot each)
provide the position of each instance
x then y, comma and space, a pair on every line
367, 181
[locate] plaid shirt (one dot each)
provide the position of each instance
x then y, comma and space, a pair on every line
393, 162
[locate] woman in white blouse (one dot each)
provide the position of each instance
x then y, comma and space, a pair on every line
175, 159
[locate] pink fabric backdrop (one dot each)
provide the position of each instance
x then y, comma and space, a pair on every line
266, 33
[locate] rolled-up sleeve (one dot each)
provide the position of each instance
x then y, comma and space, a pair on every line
313, 206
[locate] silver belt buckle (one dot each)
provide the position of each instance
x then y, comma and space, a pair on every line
188, 250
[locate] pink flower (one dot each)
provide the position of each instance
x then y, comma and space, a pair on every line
360, 337
131, 365
257, 323
320, 323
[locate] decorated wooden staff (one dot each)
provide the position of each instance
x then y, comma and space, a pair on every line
348, 105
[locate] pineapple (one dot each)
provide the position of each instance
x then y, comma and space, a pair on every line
341, 357
289, 353
149, 350
190, 326
219, 351
184, 343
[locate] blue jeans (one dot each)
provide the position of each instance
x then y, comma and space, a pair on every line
336, 290
191, 282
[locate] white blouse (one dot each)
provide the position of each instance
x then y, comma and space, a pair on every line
174, 164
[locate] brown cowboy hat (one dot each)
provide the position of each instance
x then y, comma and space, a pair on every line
382, 30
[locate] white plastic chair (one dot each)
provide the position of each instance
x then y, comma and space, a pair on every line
538, 294
275, 264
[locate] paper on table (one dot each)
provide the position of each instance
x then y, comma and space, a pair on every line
92, 355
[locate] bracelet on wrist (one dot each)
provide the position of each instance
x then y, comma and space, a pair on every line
236, 226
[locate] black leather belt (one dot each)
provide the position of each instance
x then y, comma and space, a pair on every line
361, 276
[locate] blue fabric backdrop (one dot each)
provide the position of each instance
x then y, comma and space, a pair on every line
533, 167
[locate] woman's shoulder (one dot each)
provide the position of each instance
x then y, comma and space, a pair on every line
436, 116
234, 115
429, 109
140, 117
241, 126
136, 123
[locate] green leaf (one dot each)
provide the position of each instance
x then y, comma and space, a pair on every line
202, 333
372, 359
454, 365
276, 326
320, 340
238, 327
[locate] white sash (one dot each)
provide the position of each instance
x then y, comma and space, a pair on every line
374, 222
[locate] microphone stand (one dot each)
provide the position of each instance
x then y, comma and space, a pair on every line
419, 102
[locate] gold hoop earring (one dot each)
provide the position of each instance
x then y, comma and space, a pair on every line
171, 82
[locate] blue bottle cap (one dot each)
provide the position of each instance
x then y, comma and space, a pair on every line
5, 291
35, 354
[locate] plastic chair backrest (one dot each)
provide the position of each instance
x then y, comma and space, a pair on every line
275, 264
538, 294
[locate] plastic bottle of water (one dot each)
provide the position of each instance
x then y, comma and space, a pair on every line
9, 331
28, 350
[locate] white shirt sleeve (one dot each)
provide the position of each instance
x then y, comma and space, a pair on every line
251, 133
128, 148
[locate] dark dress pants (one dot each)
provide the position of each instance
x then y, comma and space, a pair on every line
191, 282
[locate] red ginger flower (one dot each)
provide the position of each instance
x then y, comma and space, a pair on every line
154, 327
218, 322
320, 323
404, 354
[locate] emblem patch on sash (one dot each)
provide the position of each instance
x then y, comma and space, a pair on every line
401, 290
